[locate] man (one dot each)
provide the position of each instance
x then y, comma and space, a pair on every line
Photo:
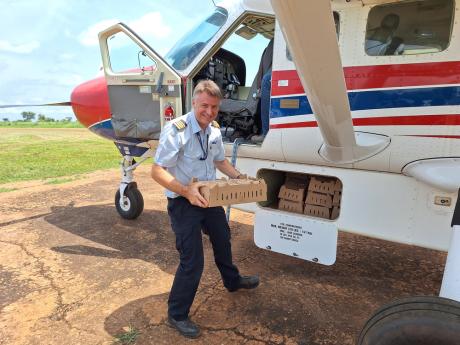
191, 147
264, 108
264, 84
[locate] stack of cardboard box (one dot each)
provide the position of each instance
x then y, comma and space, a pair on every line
316, 196
323, 198
292, 193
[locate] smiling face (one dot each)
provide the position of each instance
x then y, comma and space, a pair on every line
206, 108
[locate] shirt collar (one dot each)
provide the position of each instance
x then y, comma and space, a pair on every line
195, 125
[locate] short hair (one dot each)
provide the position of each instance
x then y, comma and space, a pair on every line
209, 87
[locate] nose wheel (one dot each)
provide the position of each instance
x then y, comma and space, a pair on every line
131, 205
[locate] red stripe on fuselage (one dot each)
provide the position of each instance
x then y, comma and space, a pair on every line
382, 76
417, 120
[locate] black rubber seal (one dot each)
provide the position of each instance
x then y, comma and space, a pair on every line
456, 217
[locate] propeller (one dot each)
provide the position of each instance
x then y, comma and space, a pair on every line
59, 104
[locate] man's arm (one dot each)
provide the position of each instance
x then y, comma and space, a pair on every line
226, 168
191, 192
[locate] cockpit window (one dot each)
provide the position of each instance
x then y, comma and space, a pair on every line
189, 46
409, 27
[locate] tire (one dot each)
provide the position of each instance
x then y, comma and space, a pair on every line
133, 203
414, 321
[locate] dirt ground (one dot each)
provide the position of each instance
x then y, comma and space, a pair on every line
73, 272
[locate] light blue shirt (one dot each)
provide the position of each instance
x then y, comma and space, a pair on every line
179, 151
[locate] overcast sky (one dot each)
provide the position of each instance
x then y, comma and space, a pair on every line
47, 47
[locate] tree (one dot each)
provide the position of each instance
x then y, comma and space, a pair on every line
5, 119
28, 115
68, 119
45, 118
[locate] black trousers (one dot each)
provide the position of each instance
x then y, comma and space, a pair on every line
187, 222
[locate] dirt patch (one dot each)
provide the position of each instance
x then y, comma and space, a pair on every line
78, 273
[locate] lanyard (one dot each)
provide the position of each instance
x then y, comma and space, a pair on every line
205, 152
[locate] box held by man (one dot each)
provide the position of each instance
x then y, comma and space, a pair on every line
233, 191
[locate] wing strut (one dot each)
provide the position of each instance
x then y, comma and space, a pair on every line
309, 30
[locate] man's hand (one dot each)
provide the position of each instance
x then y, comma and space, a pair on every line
192, 193
226, 168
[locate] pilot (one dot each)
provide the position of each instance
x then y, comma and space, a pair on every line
191, 147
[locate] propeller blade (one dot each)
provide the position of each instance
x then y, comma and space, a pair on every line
59, 104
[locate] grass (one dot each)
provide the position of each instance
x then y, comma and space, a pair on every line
62, 180
127, 337
35, 154
5, 190
40, 124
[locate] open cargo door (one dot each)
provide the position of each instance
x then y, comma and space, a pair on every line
144, 90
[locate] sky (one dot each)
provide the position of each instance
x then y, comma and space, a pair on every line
47, 47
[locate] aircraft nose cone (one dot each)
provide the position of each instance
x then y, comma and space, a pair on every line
90, 102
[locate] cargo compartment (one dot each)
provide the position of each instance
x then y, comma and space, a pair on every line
315, 196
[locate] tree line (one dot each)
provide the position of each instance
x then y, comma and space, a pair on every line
29, 116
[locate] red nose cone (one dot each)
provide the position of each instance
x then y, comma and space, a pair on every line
90, 102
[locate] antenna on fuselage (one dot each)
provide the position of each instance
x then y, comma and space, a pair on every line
214, 3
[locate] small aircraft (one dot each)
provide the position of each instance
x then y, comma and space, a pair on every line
366, 92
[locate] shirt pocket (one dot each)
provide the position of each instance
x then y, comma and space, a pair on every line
191, 164
213, 149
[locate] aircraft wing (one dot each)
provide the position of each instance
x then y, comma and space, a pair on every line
309, 30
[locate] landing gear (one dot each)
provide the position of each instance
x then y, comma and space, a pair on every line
128, 199
132, 203
414, 321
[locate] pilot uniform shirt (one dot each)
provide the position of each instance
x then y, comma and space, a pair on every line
180, 151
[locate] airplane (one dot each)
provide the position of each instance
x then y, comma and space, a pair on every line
364, 93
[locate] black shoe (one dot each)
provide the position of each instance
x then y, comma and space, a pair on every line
246, 282
185, 327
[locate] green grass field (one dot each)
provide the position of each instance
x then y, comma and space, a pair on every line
40, 124
51, 153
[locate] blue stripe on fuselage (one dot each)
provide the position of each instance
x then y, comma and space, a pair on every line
105, 129
379, 99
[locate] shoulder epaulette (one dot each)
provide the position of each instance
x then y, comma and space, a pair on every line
215, 124
180, 125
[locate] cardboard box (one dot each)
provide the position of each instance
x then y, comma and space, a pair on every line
336, 198
319, 199
322, 185
295, 193
317, 211
335, 212
235, 191
291, 206
294, 180
338, 186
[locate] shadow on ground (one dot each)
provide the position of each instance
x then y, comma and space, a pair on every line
297, 301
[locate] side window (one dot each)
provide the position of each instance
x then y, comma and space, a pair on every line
337, 31
409, 27
126, 56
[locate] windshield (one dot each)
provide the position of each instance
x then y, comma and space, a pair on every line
189, 46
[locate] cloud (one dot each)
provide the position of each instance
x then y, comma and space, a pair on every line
24, 48
150, 25
66, 56
89, 36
